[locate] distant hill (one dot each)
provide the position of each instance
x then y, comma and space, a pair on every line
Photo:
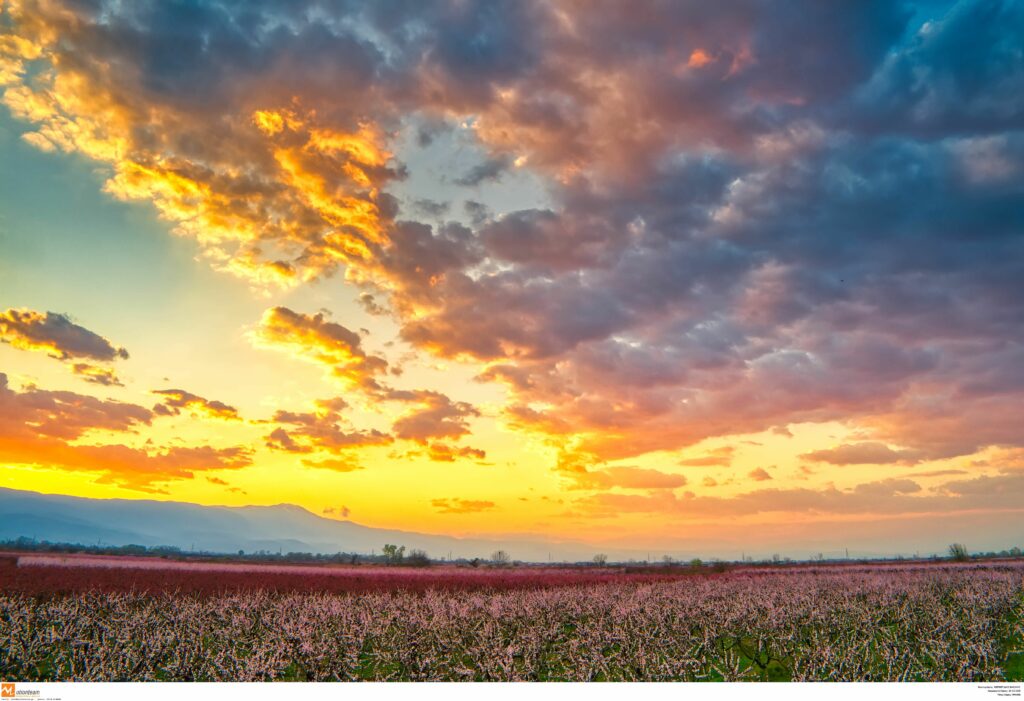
290, 528
228, 529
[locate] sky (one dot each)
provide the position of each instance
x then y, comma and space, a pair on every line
653, 274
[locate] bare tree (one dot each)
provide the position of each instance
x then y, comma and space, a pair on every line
418, 558
958, 552
600, 559
500, 557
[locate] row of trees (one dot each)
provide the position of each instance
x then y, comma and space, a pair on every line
398, 555
395, 555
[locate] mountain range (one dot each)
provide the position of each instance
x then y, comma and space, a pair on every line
228, 529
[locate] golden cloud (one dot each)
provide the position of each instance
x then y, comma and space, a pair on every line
312, 337
174, 401
461, 506
56, 335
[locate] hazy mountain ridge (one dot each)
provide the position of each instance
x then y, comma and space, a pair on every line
228, 529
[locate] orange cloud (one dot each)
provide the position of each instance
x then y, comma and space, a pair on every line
444, 452
321, 430
461, 506
868, 453
626, 478
719, 457
699, 58
276, 195
345, 463
437, 416
176, 400
892, 497
96, 375
38, 427
313, 338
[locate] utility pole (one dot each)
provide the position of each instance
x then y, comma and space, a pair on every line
847, 553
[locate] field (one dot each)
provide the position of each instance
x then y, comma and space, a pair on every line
109, 619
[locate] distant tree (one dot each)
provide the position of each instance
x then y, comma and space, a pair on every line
475, 562
394, 554
668, 561
696, 562
500, 557
600, 559
1015, 551
958, 552
418, 558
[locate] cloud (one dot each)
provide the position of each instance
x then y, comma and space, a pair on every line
370, 305
461, 506
445, 452
676, 285
888, 487
986, 486
759, 474
490, 170
867, 453
431, 208
96, 374
341, 512
626, 478
62, 339
322, 430
55, 429
435, 416
271, 189
314, 338
938, 473
56, 335
176, 400
719, 457
894, 497
64, 415
344, 463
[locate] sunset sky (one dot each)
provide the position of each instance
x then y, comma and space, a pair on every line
645, 273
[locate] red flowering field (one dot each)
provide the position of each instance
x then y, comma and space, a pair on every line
112, 618
52, 574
